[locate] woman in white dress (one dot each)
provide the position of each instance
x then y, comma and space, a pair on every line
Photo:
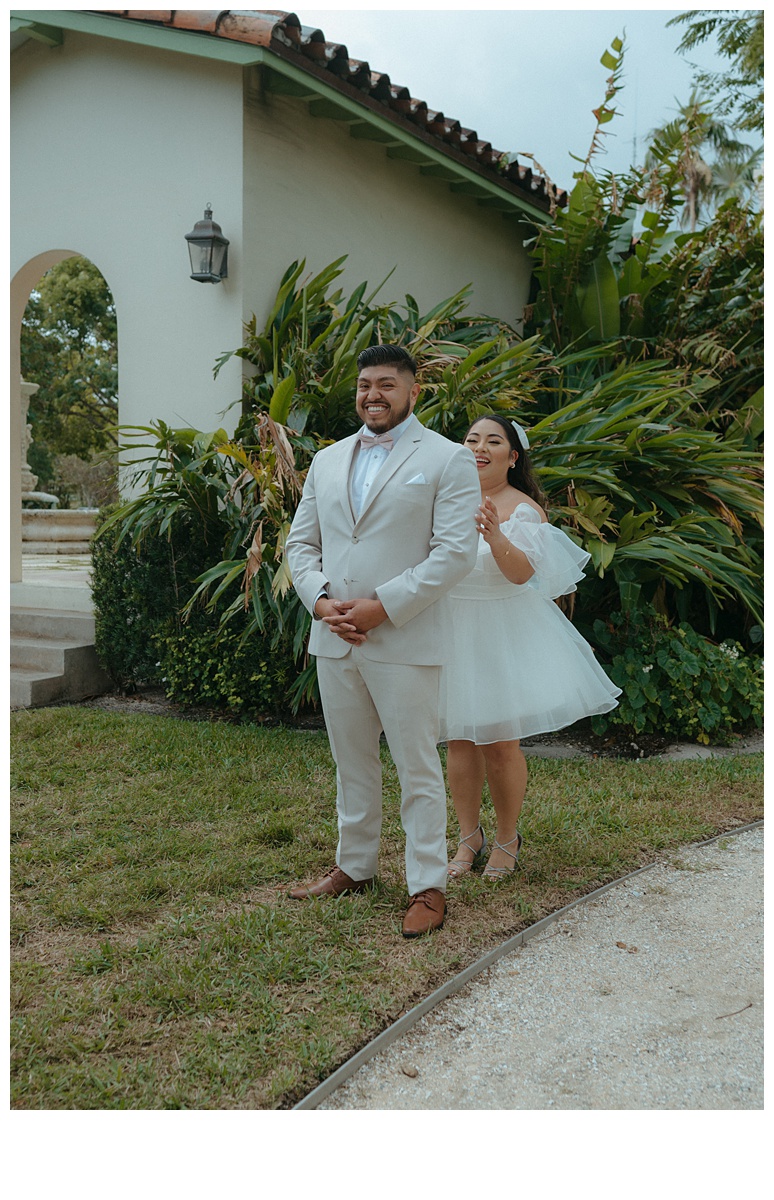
518, 667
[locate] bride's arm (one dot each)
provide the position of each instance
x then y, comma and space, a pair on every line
512, 562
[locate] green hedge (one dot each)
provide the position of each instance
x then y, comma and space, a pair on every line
142, 639
676, 682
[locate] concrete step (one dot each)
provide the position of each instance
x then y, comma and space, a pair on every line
64, 624
30, 688
43, 654
53, 657
54, 595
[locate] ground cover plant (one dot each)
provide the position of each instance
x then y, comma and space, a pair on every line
157, 962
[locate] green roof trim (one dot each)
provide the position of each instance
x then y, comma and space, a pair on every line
48, 34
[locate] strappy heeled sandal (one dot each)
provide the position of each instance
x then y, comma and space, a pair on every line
491, 872
455, 868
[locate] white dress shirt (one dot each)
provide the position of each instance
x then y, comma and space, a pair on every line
365, 466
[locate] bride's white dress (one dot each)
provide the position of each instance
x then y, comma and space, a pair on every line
517, 666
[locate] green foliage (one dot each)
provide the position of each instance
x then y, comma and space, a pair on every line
676, 682
659, 500
221, 669
647, 422
69, 348
145, 634
305, 357
706, 314
739, 34
138, 592
687, 141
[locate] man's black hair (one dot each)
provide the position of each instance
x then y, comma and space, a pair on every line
380, 356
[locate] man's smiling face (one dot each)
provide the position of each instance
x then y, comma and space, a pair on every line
385, 397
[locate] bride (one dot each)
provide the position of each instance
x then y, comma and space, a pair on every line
517, 667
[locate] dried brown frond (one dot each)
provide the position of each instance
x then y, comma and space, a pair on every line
253, 564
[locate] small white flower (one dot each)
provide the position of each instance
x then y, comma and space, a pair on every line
648, 668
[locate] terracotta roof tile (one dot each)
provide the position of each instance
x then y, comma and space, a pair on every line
305, 45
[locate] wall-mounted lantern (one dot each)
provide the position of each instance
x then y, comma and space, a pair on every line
208, 249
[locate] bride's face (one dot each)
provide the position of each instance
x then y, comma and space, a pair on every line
491, 449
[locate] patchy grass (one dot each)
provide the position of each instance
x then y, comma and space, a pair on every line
157, 961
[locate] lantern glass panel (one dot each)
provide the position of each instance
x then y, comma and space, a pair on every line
217, 255
201, 257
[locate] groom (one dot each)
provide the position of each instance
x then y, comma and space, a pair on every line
384, 529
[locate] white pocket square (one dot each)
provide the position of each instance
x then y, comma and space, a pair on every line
417, 479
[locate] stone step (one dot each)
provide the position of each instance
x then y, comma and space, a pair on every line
52, 595
30, 687
53, 657
64, 624
41, 653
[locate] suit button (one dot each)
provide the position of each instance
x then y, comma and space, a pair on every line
354, 537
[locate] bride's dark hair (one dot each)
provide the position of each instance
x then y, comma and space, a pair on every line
520, 475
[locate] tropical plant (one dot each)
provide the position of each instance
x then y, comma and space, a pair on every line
657, 342
739, 33
667, 508
685, 140
705, 315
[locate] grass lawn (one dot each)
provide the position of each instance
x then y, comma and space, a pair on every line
158, 963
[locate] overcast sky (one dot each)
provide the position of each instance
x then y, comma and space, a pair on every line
527, 79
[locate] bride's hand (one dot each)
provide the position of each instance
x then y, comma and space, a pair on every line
488, 524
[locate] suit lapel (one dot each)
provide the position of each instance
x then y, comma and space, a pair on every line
342, 479
403, 449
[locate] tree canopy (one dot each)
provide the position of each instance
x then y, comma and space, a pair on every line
738, 92
69, 348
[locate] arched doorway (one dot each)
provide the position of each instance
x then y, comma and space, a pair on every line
71, 317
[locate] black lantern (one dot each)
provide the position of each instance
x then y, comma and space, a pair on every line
208, 250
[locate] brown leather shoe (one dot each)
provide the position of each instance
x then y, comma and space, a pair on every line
425, 913
333, 883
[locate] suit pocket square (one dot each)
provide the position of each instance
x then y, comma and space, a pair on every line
417, 479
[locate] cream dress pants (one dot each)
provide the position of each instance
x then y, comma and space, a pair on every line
361, 698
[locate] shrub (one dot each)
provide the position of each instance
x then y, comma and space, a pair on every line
134, 605
220, 668
143, 637
676, 682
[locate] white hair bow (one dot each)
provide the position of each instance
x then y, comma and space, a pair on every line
522, 435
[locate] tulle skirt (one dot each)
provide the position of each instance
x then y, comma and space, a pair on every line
517, 667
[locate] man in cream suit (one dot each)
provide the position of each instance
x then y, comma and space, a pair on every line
384, 529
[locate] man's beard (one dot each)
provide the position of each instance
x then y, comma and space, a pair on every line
395, 418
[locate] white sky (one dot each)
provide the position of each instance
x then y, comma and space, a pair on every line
527, 79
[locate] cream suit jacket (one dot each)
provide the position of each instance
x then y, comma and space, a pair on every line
414, 539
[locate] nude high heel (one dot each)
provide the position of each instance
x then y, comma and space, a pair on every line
455, 869
491, 872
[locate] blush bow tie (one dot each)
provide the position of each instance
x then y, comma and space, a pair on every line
376, 439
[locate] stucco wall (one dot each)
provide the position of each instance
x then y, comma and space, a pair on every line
312, 191
115, 150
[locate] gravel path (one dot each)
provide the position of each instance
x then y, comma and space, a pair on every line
650, 997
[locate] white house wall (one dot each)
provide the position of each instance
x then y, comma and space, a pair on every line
115, 151
314, 192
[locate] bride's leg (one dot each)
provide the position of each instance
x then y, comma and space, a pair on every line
465, 769
506, 773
